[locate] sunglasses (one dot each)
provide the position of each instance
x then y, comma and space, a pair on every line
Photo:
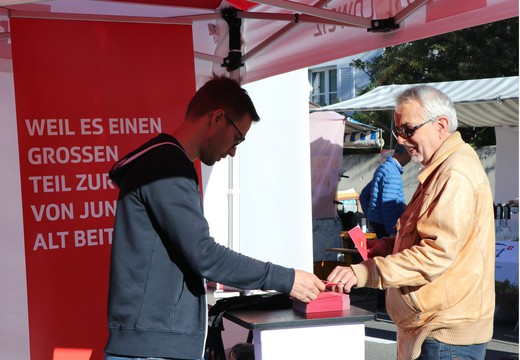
407, 132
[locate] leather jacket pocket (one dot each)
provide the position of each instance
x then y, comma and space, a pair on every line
402, 307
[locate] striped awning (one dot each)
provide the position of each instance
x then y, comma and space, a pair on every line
479, 103
370, 138
355, 135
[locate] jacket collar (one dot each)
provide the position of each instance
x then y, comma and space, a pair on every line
448, 147
396, 163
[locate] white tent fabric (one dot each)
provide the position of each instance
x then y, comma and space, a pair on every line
276, 36
326, 140
355, 134
479, 103
329, 133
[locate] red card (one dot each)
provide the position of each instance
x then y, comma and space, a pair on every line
358, 237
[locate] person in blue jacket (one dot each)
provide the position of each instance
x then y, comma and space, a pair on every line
382, 199
162, 250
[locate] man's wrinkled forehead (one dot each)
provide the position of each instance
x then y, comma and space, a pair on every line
407, 110
398, 113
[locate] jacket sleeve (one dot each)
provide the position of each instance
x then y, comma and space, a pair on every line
174, 204
441, 229
364, 198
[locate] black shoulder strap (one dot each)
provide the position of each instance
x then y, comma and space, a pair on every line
269, 301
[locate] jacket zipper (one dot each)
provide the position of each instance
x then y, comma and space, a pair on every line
415, 307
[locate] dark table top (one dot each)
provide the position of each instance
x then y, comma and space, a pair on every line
343, 250
289, 318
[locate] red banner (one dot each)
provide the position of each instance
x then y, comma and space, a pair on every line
86, 93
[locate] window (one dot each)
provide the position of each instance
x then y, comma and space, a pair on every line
324, 82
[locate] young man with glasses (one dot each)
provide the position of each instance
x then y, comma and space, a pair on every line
439, 271
162, 250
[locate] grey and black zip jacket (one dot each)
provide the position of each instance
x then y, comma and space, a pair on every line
162, 252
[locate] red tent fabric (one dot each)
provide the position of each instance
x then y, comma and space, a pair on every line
277, 36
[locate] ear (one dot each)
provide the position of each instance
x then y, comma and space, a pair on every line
218, 114
213, 119
443, 125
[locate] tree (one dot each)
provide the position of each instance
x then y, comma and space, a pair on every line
485, 51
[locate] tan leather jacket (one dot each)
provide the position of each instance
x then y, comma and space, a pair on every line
440, 278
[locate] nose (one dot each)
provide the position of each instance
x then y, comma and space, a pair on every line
231, 152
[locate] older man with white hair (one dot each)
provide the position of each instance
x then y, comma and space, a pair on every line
439, 270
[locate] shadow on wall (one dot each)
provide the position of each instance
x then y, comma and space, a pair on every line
326, 169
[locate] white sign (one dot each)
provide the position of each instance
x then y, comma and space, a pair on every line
506, 262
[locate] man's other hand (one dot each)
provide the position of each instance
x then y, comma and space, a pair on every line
306, 286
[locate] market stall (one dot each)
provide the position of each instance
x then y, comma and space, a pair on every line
253, 41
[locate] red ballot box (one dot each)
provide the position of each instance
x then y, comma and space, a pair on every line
326, 301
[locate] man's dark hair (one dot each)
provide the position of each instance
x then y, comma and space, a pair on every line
225, 93
399, 149
401, 155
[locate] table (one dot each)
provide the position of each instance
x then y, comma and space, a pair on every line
346, 236
344, 250
287, 334
346, 256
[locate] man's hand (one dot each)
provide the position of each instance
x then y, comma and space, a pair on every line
344, 277
306, 286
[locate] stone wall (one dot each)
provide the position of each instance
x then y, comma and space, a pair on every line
360, 168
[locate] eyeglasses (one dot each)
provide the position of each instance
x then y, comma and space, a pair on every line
406, 132
242, 137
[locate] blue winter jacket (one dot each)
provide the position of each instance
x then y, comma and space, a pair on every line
162, 252
382, 199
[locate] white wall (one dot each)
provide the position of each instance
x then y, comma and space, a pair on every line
215, 187
506, 181
14, 328
272, 183
276, 206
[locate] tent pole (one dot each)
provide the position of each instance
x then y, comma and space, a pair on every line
277, 36
233, 63
409, 10
318, 12
234, 191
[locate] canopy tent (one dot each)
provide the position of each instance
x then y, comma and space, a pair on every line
479, 103
330, 132
268, 38
271, 37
